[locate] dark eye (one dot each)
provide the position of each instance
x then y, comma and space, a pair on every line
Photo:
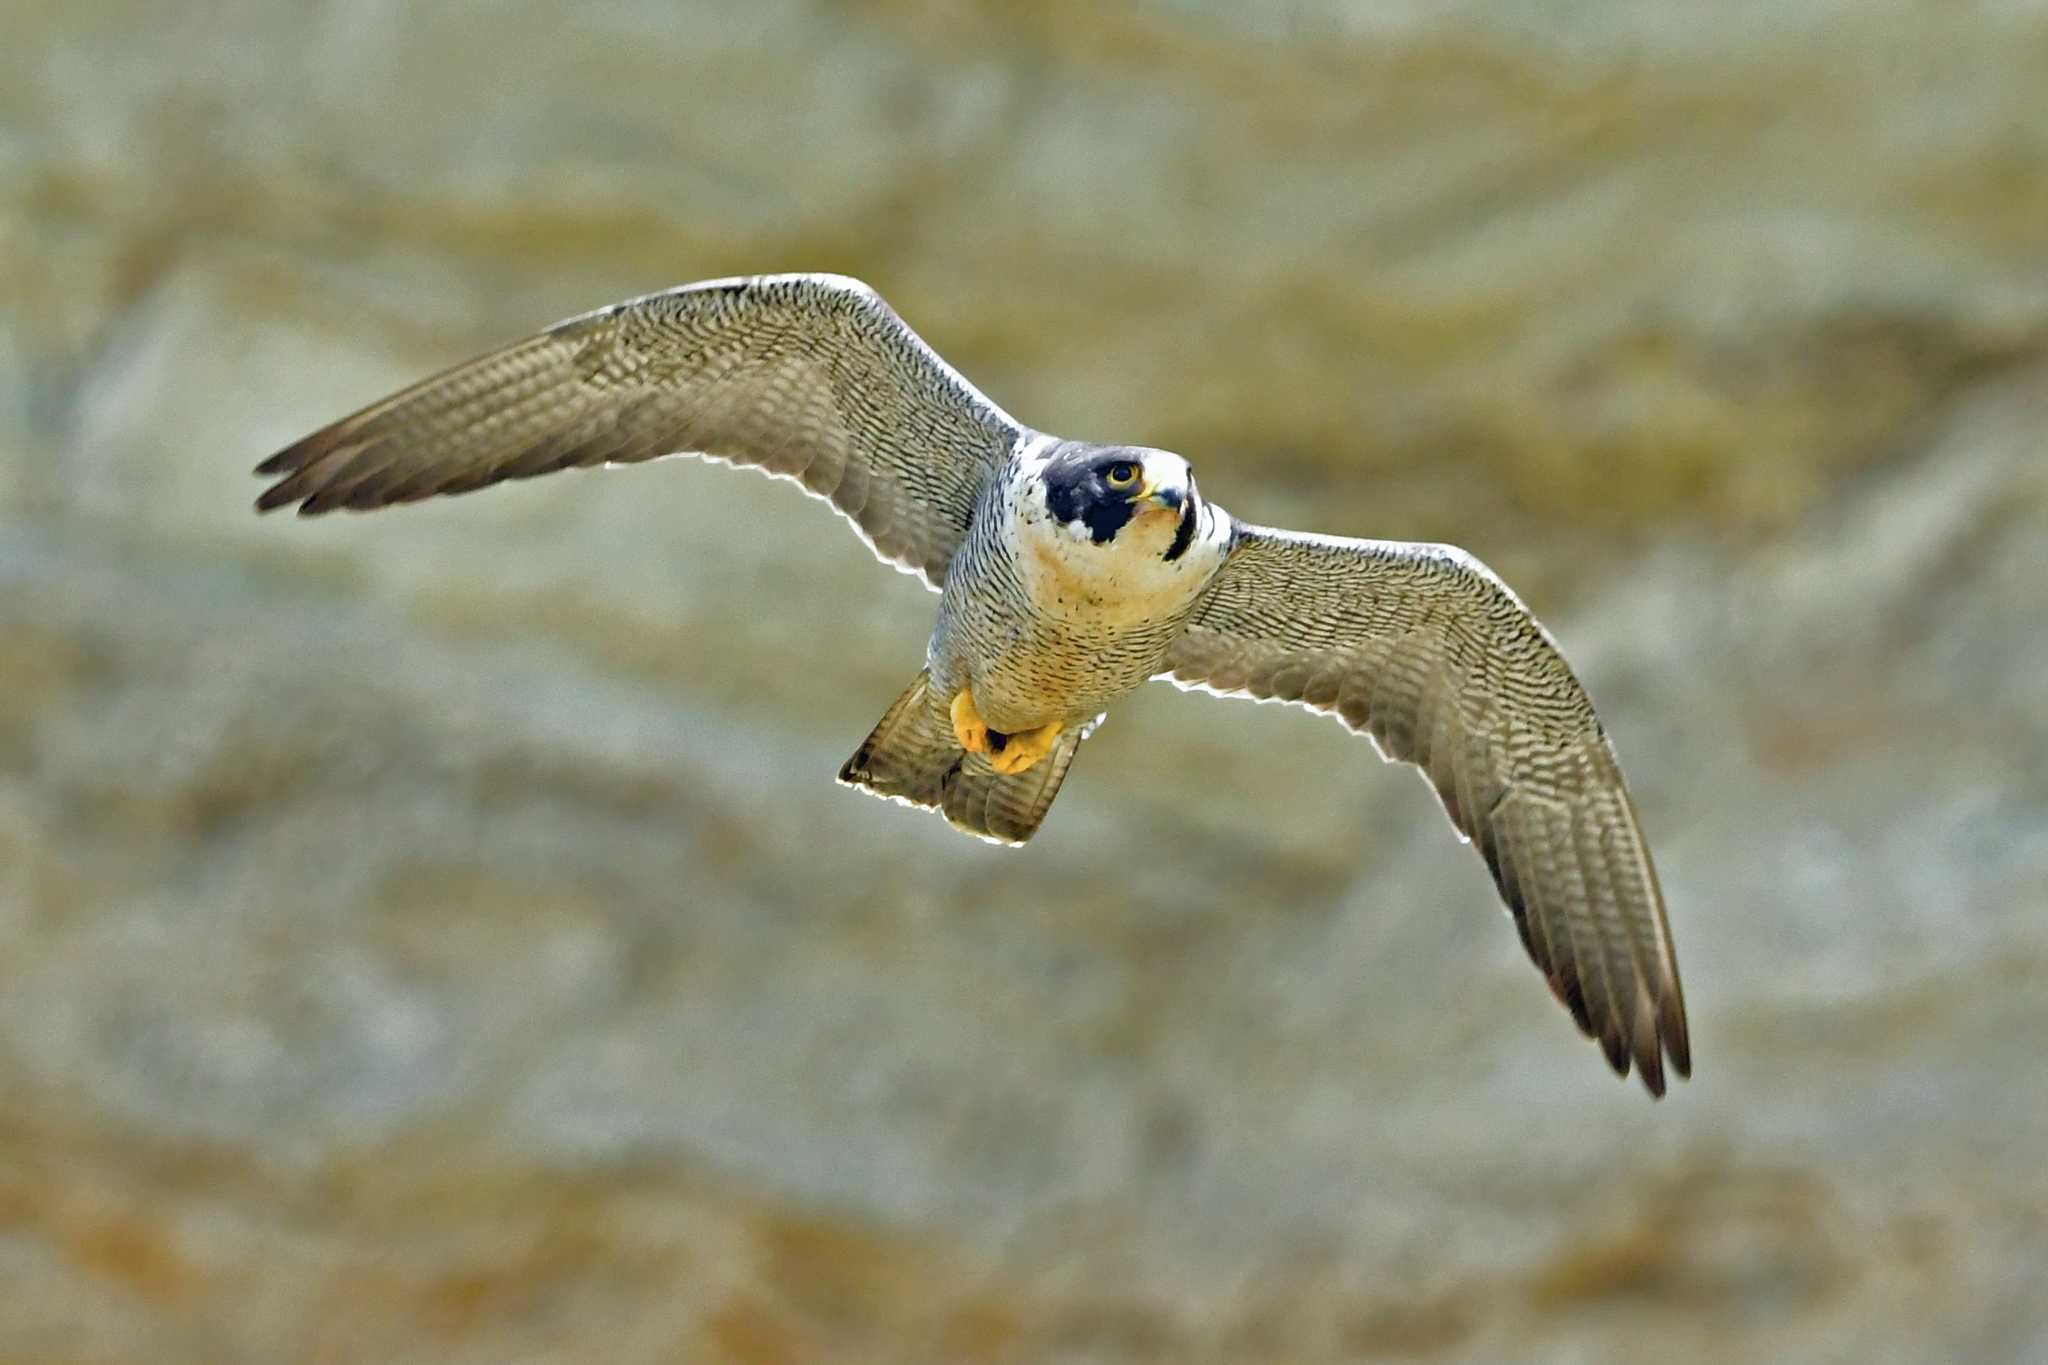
1122, 474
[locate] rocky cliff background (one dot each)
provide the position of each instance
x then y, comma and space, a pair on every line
436, 936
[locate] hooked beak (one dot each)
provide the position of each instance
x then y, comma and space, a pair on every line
1151, 497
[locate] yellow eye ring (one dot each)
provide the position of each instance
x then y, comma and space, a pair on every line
1122, 474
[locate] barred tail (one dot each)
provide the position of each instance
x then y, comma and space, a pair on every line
913, 757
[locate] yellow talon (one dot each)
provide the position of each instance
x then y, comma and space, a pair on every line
1025, 748
968, 726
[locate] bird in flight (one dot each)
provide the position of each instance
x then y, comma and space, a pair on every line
1069, 573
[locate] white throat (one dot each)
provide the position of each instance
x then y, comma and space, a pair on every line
1124, 582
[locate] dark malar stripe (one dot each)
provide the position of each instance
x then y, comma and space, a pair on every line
1184, 536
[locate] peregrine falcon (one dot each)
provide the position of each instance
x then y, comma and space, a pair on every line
1068, 573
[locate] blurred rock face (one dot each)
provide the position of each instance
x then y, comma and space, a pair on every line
437, 936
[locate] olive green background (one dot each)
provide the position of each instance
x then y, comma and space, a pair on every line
436, 936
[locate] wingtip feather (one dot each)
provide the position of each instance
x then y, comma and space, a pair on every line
1677, 1039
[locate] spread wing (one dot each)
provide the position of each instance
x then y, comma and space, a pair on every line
1421, 647
808, 377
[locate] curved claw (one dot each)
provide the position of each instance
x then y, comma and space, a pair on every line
1025, 748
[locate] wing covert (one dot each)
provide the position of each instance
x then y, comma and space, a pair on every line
808, 377
1425, 650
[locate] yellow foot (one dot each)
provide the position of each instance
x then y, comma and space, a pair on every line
1026, 747
968, 726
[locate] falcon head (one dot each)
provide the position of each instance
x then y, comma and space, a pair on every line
1097, 491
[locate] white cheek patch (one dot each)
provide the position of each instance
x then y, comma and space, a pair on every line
1077, 531
1027, 503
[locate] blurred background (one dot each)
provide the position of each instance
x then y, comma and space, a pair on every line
437, 935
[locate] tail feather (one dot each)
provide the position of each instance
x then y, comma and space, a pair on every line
912, 756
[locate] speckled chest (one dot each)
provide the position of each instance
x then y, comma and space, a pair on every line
1046, 624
